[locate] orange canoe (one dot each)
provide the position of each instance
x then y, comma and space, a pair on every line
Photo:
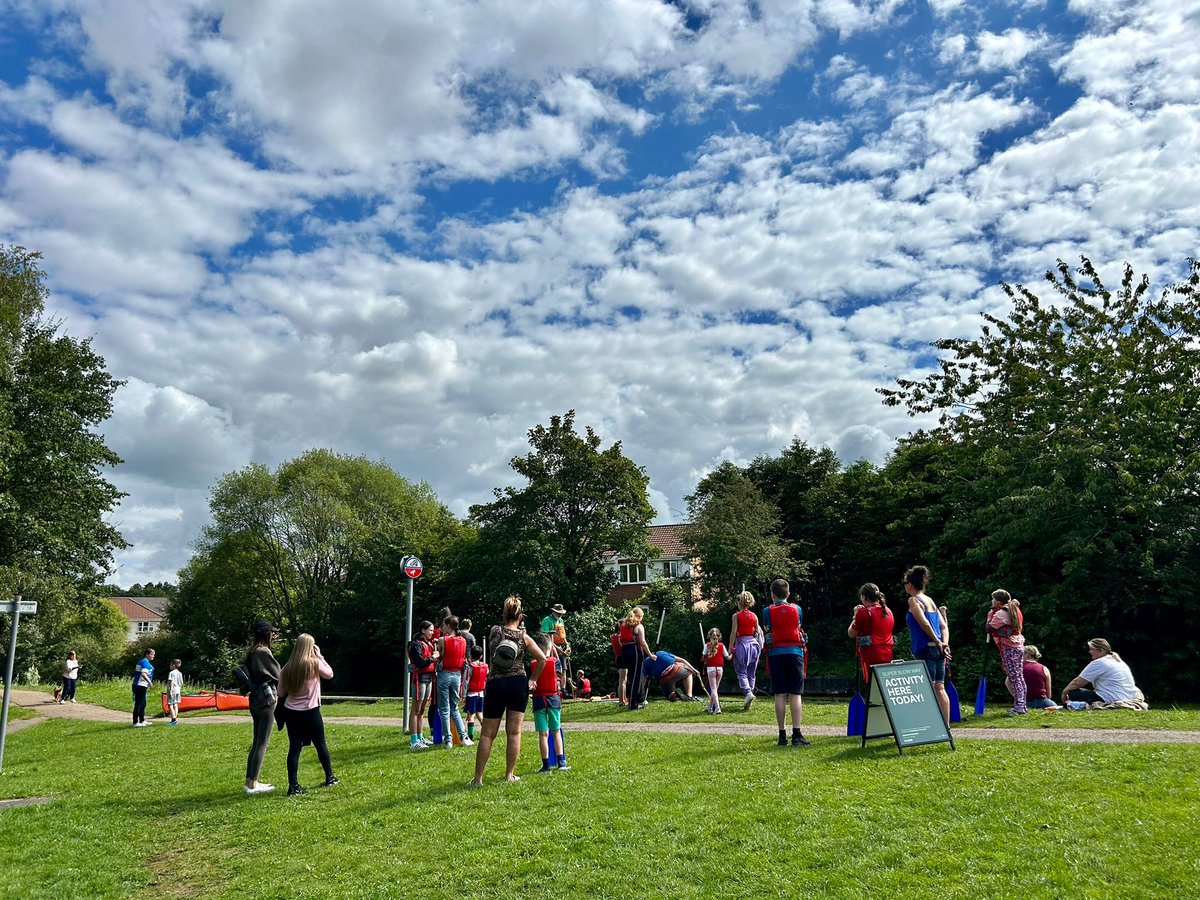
227, 701
202, 700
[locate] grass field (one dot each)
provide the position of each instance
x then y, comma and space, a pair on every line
115, 694
160, 811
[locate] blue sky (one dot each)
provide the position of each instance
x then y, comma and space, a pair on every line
414, 230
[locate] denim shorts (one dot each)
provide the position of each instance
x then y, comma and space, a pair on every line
935, 663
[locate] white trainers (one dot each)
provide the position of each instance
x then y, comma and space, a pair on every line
467, 742
260, 788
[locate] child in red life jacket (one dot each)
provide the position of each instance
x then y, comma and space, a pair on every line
547, 706
583, 686
423, 657
476, 682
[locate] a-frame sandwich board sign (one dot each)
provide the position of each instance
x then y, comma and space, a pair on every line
901, 705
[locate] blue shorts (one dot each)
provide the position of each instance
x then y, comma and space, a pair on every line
935, 663
474, 704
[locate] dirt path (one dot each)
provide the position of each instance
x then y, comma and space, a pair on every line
46, 708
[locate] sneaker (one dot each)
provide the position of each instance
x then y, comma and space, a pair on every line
1013, 712
260, 788
295, 789
563, 767
783, 740
748, 701
332, 780
544, 770
417, 745
799, 740
173, 722
72, 699
467, 742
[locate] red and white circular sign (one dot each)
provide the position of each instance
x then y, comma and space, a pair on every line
413, 567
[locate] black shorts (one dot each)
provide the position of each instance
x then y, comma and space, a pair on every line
787, 673
628, 658
507, 694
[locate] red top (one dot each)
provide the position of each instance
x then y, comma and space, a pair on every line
616, 645
454, 653
478, 678
747, 623
877, 623
585, 686
547, 682
1035, 680
626, 633
717, 660
785, 625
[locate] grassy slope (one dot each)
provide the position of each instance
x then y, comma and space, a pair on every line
657, 814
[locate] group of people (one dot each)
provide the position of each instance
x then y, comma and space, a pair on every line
1106, 681
521, 666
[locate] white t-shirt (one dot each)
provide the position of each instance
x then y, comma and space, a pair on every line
175, 682
71, 668
1111, 679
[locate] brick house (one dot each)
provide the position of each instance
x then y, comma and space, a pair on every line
670, 562
144, 614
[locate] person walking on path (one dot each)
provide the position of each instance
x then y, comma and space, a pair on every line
782, 623
507, 691
264, 673
70, 678
300, 683
929, 642
1005, 625
715, 654
872, 628
143, 677
746, 635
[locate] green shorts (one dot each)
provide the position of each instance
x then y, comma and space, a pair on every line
547, 716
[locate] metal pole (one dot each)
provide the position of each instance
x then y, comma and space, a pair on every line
407, 641
8, 677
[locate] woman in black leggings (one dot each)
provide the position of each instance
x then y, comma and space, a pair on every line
300, 682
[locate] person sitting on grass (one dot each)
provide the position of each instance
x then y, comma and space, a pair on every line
1037, 680
584, 686
1106, 680
547, 706
671, 672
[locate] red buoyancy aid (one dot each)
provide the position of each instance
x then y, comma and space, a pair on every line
547, 682
785, 625
454, 653
747, 623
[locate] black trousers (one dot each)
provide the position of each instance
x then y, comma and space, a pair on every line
306, 727
139, 703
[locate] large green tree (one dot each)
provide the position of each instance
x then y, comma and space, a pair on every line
316, 547
1074, 429
546, 539
735, 532
55, 540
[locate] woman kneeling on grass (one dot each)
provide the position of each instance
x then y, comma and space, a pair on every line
507, 690
300, 682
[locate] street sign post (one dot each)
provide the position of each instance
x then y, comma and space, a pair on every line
15, 608
413, 567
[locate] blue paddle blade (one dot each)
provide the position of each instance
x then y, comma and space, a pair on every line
981, 697
856, 716
952, 695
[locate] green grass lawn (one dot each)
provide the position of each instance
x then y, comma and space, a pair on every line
160, 812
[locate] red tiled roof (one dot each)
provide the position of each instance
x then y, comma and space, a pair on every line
668, 539
134, 611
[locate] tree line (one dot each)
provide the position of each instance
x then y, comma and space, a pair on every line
1063, 467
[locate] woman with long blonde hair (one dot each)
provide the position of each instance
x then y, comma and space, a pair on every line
637, 652
300, 685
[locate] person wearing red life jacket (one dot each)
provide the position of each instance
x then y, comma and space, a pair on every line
451, 668
872, 628
785, 655
422, 655
584, 686
475, 686
746, 636
547, 706
715, 654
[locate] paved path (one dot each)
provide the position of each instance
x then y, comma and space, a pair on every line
48, 709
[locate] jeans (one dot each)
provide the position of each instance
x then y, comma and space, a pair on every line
448, 685
139, 703
69, 689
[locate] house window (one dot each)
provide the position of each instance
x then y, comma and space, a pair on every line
146, 627
633, 573
672, 568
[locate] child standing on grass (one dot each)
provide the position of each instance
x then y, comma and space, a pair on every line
547, 706
785, 654
715, 655
476, 682
174, 690
423, 656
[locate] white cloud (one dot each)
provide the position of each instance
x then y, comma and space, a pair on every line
1007, 50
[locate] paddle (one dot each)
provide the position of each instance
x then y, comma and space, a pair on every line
952, 695
981, 694
856, 717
